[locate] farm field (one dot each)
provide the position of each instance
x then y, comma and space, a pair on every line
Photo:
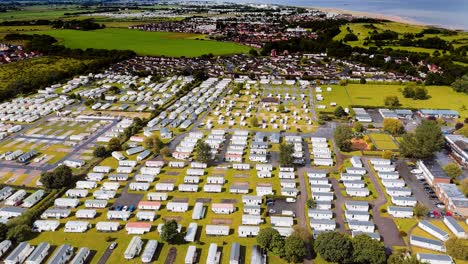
144, 43
442, 97
383, 141
38, 12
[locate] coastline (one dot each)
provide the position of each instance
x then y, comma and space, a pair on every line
370, 15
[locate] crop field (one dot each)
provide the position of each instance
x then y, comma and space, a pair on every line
383, 141
442, 97
145, 43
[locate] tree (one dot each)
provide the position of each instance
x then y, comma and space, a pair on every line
334, 247
343, 82
203, 152
19, 233
58, 178
464, 186
457, 248
165, 152
362, 80
281, 108
268, 239
424, 142
358, 127
114, 145
169, 232
339, 112
387, 154
461, 85
153, 143
452, 170
311, 203
408, 91
343, 135
391, 101
294, 249
254, 121
253, 52
100, 152
420, 93
286, 154
3, 231
368, 251
399, 258
393, 126
420, 210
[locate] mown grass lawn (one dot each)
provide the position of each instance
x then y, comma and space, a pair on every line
383, 141
145, 43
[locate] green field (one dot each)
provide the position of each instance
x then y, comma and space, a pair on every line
145, 43
442, 97
383, 141
39, 12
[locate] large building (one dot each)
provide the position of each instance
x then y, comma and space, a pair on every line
433, 172
459, 146
453, 198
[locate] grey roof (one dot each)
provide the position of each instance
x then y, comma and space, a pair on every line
398, 208
37, 253
357, 203
434, 257
427, 240
235, 252
454, 224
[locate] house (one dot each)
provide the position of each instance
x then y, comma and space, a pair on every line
213, 256
86, 213
433, 230
56, 213
95, 203
357, 215
248, 231
19, 254
363, 226
282, 221
146, 216
149, 205
67, 202
39, 254
191, 232
133, 248
107, 226
320, 214
400, 212
216, 230
434, 258
114, 214
404, 201
251, 220
356, 161
322, 224
137, 227
62, 255
234, 255
198, 211
177, 206
81, 256
45, 225
223, 208
455, 227
76, 226
191, 256
427, 243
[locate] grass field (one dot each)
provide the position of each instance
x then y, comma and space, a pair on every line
145, 43
383, 141
39, 12
442, 97
362, 33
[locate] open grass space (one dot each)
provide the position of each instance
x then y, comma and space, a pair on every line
144, 43
383, 141
442, 97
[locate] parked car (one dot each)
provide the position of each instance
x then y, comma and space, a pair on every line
118, 208
290, 200
113, 245
131, 208
125, 208
416, 171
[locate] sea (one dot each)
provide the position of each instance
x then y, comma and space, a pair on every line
451, 14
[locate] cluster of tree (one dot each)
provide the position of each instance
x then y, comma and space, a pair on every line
170, 232
350, 37
393, 126
457, 248
403, 258
136, 126
340, 248
339, 112
60, 177
385, 35
343, 135
286, 154
391, 101
155, 144
292, 248
415, 92
429, 43
114, 144
460, 85
452, 170
38, 22
85, 24
424, 142
203, 152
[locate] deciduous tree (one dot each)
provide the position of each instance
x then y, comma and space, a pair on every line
452, 170
334, 247
368, 251
343, 135
203, 152
286, 154
393, 126
424, 142
58, 178
170, 233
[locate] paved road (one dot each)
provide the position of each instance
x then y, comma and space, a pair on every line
106, 255
339, 202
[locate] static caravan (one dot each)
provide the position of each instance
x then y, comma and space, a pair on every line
76, 226
56, 213
234, 255
154, 163
320, 214
102, 169
215, 180
288, 183
121, 215
433, 230
127, 163
192, 179
357, 215
358, 192
195, 172
177, 206
321, 187
5, 192
107, 226
317, 174
434, 258
146, 216
39, 254
86, 213
252, 209
4, 246
243, 189
284, 231
241, 166
373, 235
213, 256
223, 208
264, 190
354, 184
11, 212
363, 226
95, 203
16, 198
176, 164
398, 191
323, 196
212, 188
144, 178
356, 162
67, 202
45, 225
19, 254
404, 201
216, 230
355, 170
104, 195
377, 161
149, 205
322, 224
188, 187
76, 193
350, 177
400, 212
139, 186
124, 170
157, 196
164, 187
264, 174
251, 220
455, 227
198, 211
81, 256
118, 177
133, 248
110, 186
150, 249
287, 175
264, 167
323, 205
191, 232
251, 200
248, 231
427, 243
33, 199
384, 168
323, 162
393, 183
150, 170
86, 184
282, 221
191, 256
388, 175
313, 180
137, 227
